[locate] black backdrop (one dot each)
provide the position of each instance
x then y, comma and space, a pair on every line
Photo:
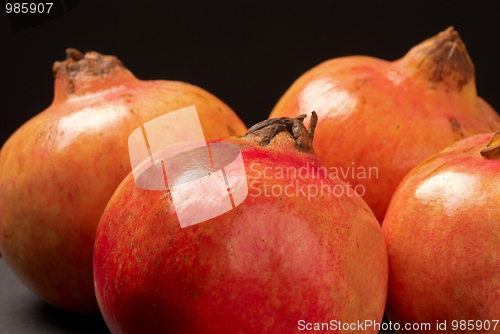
246, 53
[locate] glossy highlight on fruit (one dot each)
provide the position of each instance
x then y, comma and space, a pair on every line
442, 235
390, 116
284, 254
61, 167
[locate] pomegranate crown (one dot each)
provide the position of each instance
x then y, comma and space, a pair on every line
262, 133
492, 147
90, 63
443, 59
87, 73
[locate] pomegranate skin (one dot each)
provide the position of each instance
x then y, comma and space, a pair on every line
259, 268
61, 167
441, 232
390, 115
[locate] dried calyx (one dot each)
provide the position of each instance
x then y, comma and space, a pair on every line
90, 63
444, 58
262, 133
492, 147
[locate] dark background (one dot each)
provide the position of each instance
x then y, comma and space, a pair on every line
246, 53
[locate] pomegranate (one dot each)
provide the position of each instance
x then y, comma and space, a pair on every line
386, 117
61, 167
301, 251
441, 231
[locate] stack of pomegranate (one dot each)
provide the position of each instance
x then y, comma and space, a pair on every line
303, 249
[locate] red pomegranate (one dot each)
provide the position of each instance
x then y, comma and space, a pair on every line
386, 117
302, 250
441, 230
61, 167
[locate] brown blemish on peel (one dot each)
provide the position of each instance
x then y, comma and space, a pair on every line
457, 129
231, 131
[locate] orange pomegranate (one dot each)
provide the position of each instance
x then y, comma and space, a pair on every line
441, 231
60, 168
379, 119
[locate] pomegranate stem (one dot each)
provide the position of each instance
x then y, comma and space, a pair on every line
266, 130
91, 63
492, 147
